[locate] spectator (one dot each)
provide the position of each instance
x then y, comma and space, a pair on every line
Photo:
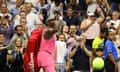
115, 21
18, 19
19, 33
80, 55
42, 5
70, 18
11, 4
21, 15
73, 31
34, 2
110, 53
39, 24
114, 4
65, 31
6, 29
14, 11
23, 8
4, 12
99, 53
61, 54
83, 5
31, 17
90, 27
56, 6
98, 46
119, 9
59, 21
1, 2
117, 44
72, 39
76, 7
99, 41
117, 37
23, 22
43, 15
103, 4
16, 61
3, 55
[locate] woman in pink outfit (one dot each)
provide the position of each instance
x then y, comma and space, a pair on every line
45, 57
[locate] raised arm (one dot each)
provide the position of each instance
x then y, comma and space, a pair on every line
84, 26
101, 15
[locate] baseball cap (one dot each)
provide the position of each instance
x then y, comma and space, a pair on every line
100, 47
90, 14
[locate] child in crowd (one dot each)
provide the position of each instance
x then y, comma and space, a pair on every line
99, 53
61, 54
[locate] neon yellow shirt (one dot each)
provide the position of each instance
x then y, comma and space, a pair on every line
97, 41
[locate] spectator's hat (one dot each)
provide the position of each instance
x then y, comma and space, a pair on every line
90, 14
100, 47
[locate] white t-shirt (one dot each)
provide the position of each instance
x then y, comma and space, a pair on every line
115, 23
61, 51
31, 20
55, 8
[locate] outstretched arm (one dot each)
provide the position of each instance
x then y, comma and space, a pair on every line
51, 29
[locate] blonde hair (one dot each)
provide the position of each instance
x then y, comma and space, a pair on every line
14, 42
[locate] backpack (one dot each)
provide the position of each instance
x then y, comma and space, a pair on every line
30, 56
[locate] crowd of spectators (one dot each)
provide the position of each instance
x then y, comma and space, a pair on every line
86, 29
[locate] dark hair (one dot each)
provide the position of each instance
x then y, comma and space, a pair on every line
57, 12
63, 27
106, 37
44, 13
57, 1
23, 1
1, 34
69, 7
99, 49
49, 22
18, 26
6, 17
102, 30
60, 35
